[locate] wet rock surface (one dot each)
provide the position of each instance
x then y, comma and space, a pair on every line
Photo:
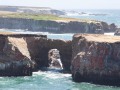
96, 59
54, 58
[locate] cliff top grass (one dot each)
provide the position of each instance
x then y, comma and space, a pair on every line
41, 17
99, 38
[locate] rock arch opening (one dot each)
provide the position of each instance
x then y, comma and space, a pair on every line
54, 59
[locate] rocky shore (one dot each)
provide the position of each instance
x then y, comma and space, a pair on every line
96, 59
92, 57
21, 54
57, 26
15, 58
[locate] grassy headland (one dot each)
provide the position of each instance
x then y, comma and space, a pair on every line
40, 17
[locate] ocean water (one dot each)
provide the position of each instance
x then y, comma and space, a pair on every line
48, 80
109, 16
53, 79
66, 36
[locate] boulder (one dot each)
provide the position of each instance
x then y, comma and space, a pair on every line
117, 32
113, 27
96, 59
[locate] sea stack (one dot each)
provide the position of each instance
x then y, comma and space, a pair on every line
96, 59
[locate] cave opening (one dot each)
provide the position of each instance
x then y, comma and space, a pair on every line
54, 59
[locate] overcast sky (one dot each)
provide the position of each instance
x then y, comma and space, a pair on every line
66, 4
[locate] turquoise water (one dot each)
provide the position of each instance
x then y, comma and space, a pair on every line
52, 80
49, 80
67, 36
60, 36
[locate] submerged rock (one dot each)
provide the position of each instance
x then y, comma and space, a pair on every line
96, 58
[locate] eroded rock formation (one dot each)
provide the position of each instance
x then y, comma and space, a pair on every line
54, 59
20, 54
96, 58
15, 59
39, 49
58, 26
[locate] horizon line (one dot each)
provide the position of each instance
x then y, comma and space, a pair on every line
62, 8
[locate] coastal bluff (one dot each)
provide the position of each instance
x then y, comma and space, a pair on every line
96, 59
21, 54
55, 25
91, 57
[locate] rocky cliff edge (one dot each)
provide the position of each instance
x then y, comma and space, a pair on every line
21, 54
96, 59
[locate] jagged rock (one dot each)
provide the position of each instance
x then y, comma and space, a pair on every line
96, 58
16, 48
54, 58
117, 32
15, 59
20, 54
39, 48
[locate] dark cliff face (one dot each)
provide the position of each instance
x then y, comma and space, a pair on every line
14, 56
56, 26
96, 59
39, 49
20, 54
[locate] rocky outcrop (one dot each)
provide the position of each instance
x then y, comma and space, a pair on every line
96, 58
15, 59
56, 26
39, 49
54, 59
117, 32
21, 54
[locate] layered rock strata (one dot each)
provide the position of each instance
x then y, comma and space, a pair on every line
96, 59
58, 26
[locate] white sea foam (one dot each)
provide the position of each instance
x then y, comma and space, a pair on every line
111, 33
51, 74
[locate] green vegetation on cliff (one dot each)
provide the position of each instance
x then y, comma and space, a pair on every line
40, 17
33, 16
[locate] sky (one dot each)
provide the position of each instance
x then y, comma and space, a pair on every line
65, 4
